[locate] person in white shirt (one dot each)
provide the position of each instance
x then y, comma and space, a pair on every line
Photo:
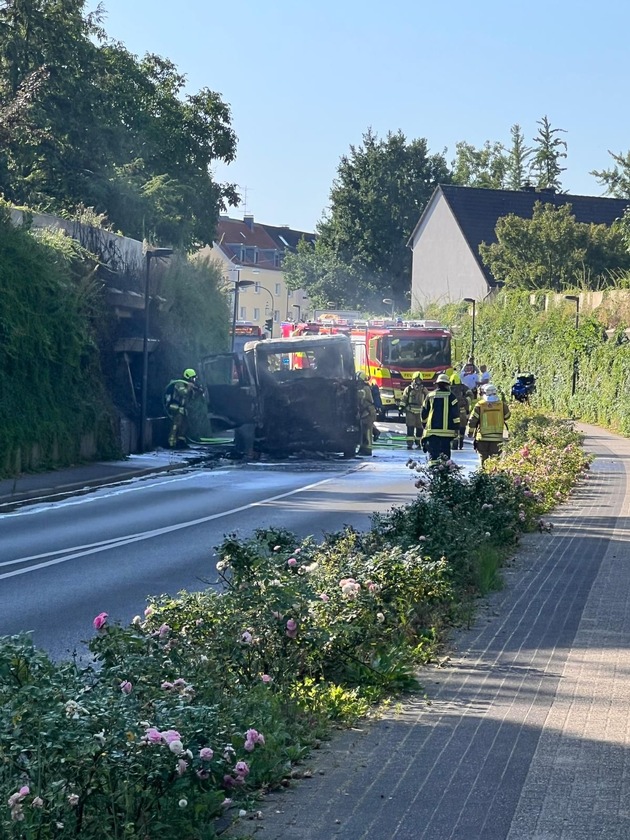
470, 376
484, 375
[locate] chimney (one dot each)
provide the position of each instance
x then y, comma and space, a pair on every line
249, 221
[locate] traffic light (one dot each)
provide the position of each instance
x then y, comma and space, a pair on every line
269, 325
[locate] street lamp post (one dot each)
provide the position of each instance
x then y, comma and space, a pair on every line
237, 269
155, 253
472, 338
574, 378
389, 302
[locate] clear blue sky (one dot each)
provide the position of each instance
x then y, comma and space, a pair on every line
304, 81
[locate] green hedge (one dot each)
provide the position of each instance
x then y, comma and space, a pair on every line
512, 334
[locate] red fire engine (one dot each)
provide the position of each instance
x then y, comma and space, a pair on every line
391, 352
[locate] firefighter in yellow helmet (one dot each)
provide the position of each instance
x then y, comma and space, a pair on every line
177, 397
367, 413
487, 421
411, 402
440, 416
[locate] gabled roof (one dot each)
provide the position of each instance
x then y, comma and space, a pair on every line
478, 210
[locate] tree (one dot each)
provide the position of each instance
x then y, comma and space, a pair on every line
108, 130
379, 193
326, 278
549, 149
517, 163
617, 179
486, 167
553, 251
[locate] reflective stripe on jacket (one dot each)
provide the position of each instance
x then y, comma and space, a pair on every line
440, 414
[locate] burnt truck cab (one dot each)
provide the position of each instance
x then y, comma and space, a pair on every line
286, 395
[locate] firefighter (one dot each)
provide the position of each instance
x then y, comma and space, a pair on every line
487, 421
367, 413
177, 397
412, 402
464, 397
440, 416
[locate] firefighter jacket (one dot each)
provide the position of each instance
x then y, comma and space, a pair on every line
413, 398
367, 412
464, 397
440, 415
488, 419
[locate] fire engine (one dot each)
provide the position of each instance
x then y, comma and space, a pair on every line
390, 352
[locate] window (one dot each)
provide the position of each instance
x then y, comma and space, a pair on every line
276, 315
278, 288
256, 314
242, 313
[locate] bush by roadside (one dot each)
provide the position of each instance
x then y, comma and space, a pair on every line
211, 697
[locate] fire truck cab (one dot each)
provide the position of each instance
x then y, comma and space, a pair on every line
391, 352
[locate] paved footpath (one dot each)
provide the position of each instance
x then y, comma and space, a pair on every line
527, 732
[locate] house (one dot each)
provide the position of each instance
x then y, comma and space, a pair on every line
251, 252
446, 264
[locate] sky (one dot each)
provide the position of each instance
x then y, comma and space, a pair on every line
305, 80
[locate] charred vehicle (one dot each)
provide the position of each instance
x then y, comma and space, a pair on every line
286, 395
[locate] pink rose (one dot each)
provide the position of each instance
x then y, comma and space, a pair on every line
205, 754
324, 597
126, 687
291, 562
291, 628
266, 678
241, 768
171, 735
100, 621
153, 735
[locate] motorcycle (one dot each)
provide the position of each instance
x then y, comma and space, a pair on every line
524, 387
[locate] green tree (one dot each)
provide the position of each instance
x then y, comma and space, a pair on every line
486, 167
548, 151
553, 251
113, 132
517, 163
617, 179
379, 193
326, 278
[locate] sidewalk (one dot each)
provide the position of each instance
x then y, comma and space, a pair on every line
525, 733
57, 483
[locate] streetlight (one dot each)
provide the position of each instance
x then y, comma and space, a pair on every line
576, 301
472, 340
390, 302
238, 284
156, 253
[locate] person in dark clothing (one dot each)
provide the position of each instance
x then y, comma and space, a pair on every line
440, 417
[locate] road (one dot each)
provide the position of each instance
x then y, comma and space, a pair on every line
64, 562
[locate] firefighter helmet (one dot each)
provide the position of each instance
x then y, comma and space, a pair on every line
444, 379
361, 376
189, 374
417, 375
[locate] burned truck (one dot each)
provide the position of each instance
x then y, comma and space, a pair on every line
286, 395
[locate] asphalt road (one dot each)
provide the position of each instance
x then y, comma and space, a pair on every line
64, 562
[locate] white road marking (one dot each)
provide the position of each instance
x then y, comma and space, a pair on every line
105, 545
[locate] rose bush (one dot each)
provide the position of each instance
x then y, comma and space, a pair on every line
212, 696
